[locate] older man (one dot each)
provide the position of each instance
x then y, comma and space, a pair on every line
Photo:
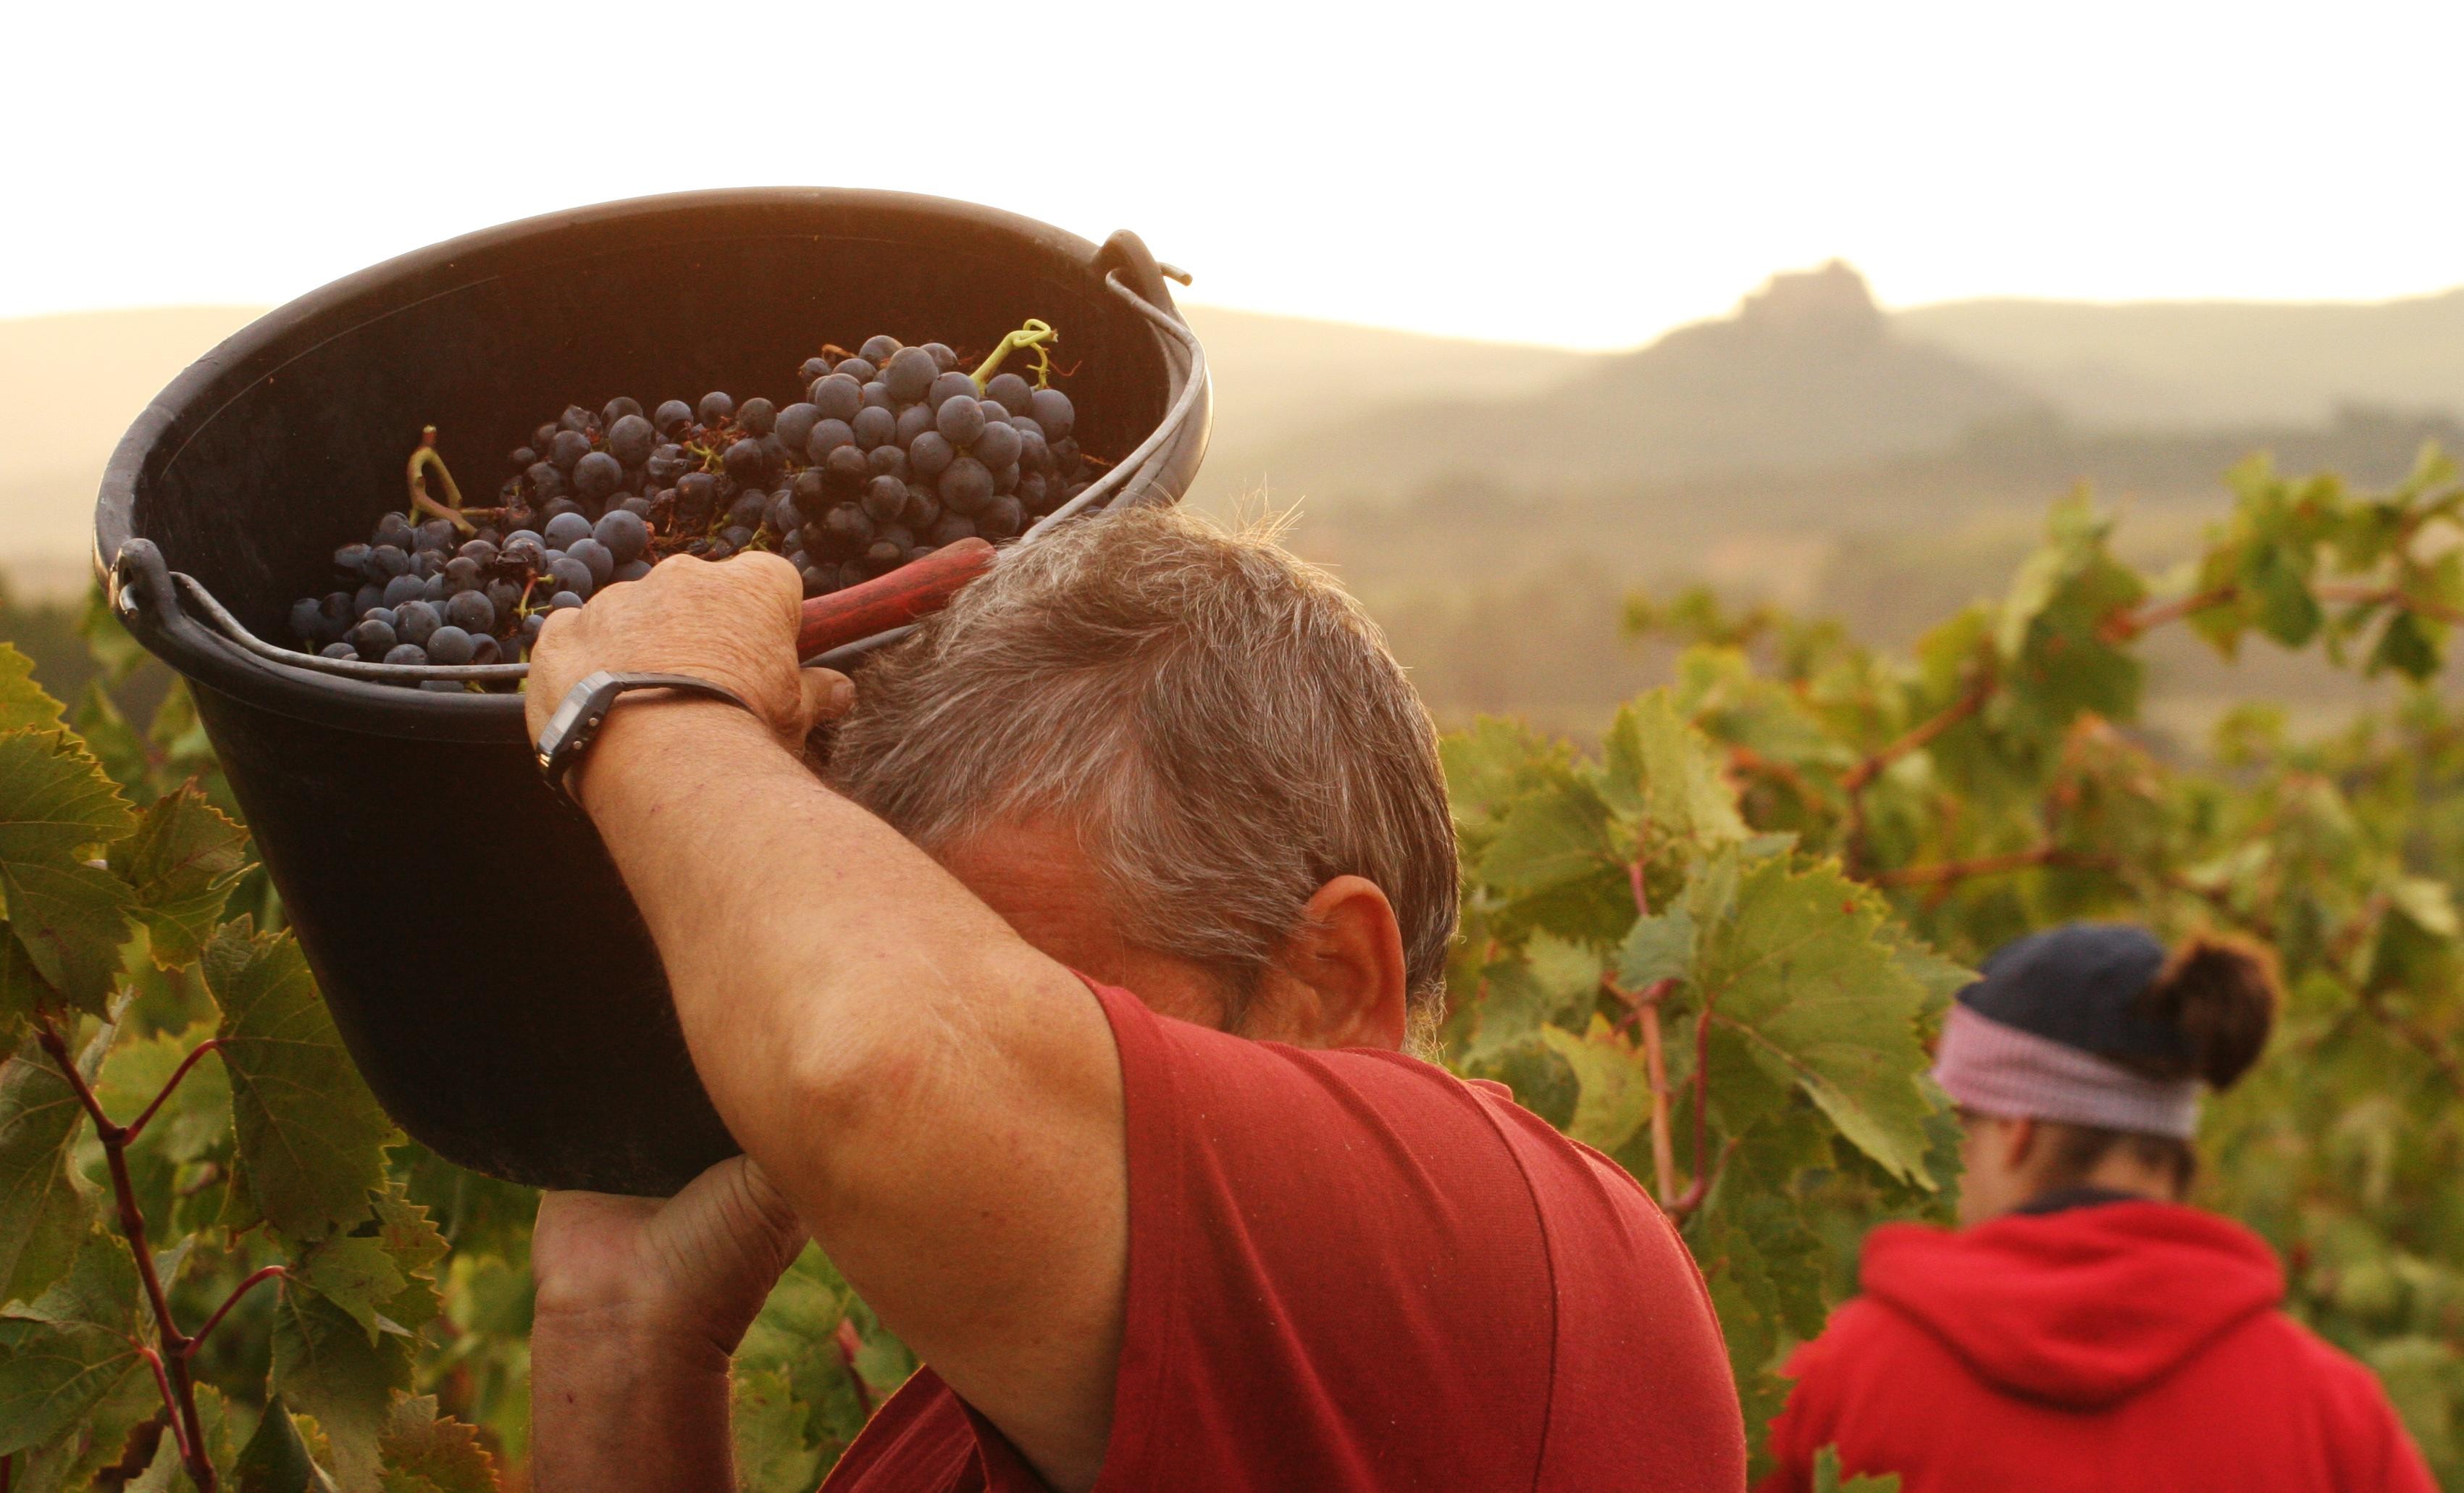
1071, 1023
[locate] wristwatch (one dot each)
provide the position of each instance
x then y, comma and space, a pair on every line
586, 708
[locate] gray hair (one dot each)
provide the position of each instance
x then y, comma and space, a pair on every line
1223, 726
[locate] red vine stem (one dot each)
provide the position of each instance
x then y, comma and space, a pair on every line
1919, 736
170, 1401
171, 1375
268, 1273
1664, 1153
1700, 1187
848, 1343
137, 1124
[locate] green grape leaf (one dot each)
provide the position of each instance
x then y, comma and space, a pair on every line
311, 1137
412, 1238
1659, 766
1614, 1092
796, 1335
61, 1353
114, 742
54, 801
325, 1366
1491, 764
1548, 839
427, 1453
274, 1459
177, 732
23, 703
42, 1218
2409, 645
71, 920
106, 640
773, 1454
1658, 948
1827, 1478
1802, 969
181, 864
22, 990
2281, 604
356, 1273
1549, 978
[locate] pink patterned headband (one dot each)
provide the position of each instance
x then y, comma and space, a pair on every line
2002, 1071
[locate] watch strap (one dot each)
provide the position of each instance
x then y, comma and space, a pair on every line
586, 707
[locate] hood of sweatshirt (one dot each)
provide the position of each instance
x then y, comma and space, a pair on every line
2079, 1309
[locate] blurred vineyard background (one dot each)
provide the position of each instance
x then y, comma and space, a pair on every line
1824, 526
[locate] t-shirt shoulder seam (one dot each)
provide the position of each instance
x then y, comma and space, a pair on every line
1549, 1251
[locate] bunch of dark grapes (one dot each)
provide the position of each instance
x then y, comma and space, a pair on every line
891, 454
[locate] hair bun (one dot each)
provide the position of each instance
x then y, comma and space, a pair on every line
2220, 995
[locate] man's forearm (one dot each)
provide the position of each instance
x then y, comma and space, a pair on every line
796, 928
612, 1412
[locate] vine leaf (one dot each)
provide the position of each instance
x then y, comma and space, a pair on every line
326, 1367
71, 920
1548, 839
42, 1218
1659, 766
311, 1137
23, 703
427, 1453
1658, 948
113, 741
180, 865
1827, 1478
274, 1459
772, 1452
62, 1353
356, 1274
54, 800
1521, 995
1801, 969
1614, 1091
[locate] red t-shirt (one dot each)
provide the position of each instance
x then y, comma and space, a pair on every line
1350, 1270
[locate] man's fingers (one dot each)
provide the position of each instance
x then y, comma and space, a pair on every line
775, 575
827, 695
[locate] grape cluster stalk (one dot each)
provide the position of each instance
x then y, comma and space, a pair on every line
893, 453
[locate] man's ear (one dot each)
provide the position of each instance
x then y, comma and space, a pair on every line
1339, 981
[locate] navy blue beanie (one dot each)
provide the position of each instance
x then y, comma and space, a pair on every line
2081, 985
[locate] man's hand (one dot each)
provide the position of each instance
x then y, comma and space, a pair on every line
641, 1302
732, 622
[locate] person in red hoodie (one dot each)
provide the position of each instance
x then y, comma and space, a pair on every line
2082, 1328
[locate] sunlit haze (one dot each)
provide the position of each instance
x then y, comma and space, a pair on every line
1586, 175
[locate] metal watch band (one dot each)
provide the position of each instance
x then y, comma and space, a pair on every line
586, 708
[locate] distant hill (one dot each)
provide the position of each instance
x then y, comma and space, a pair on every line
1807, 373
2204, 364
1275, 375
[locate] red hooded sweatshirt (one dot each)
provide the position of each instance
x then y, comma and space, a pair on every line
2100, 1348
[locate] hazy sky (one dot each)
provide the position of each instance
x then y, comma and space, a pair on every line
1581, 174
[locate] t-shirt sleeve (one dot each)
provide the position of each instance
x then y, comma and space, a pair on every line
1336, 1273
1339, 1275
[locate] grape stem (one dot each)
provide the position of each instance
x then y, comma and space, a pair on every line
1037, 334
847, 1343
170, 1365
425, 456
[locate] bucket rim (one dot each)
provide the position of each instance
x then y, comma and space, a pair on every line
132, 568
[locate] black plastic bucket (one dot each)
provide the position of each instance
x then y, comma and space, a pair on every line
484, 963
